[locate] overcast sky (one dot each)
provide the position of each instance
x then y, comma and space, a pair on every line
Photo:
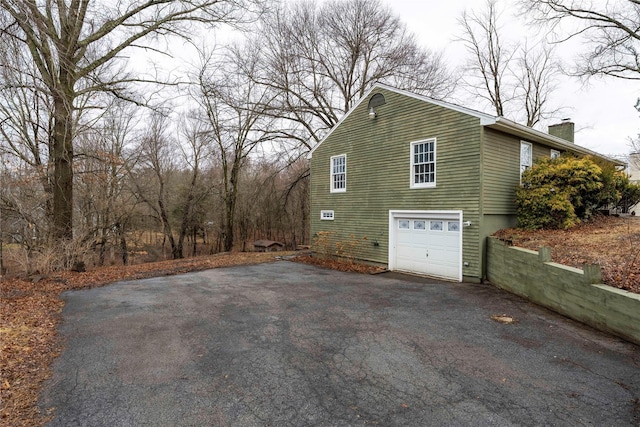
603, 111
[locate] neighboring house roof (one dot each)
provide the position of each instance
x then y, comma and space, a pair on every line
488, 120
266, 243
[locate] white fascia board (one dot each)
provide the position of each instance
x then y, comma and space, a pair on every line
530, 134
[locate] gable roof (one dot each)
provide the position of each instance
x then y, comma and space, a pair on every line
492, 122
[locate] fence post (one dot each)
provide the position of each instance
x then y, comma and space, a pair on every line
544, 254
592, 273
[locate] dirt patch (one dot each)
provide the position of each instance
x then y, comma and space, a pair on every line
611, 242
30, 313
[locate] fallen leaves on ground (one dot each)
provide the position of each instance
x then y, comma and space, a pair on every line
340, 265
611, 242
30, 310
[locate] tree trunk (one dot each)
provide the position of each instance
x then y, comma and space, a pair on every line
195, 241
228, 227
230, 206
186, 214
103, 249
166, 230
123, 243
62, 154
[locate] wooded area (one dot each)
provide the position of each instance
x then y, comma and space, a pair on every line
103, 164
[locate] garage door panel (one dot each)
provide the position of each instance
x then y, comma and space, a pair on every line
440, 241
411, 251
427, 246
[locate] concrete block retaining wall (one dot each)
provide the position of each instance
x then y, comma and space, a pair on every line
578, 294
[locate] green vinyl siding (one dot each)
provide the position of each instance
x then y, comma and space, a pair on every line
378, 174
500, 177
501, 171
540, 151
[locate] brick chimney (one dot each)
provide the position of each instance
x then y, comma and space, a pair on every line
564, 130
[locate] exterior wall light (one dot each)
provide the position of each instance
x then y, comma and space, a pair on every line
375, 101
467, 223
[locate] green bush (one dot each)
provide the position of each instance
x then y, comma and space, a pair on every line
617, 190
629, 193
544, 207
612, 182
558, 193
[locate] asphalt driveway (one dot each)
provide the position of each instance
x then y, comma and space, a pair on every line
287, 344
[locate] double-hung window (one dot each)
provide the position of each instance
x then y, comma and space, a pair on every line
526, 156
339, 173
423, 163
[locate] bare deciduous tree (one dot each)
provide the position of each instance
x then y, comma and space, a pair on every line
25, 115
104, 201
194, 152
611, 30
273, 202
235, 107
515, 79
536, 73
489, 57
321, 58
77, 48
155, 165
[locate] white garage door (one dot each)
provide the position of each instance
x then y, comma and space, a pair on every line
425, 244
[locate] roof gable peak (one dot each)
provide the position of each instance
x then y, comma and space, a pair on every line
485, 119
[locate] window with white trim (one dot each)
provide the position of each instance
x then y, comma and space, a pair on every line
339, 173
423, 163
326, 215
526, 156
554, 154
